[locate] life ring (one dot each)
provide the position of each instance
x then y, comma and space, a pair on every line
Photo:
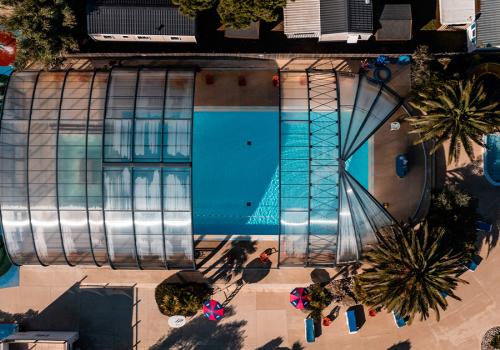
382, 74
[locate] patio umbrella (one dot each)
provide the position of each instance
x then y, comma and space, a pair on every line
213, 310
299, 298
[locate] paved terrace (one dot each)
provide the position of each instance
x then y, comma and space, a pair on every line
261, 313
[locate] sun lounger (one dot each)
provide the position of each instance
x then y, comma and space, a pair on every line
309, 329
483, 226
472, 265
400, 321
352, 325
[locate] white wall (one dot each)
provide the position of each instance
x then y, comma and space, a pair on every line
344, 36
136, 38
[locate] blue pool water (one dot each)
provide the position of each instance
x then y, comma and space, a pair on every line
236, 184
492, 159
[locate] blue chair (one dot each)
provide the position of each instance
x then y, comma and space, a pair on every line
399, 320
401, 165
309, 328
352, 324
472, 265
483, 226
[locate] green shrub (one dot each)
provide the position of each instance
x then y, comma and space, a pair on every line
45, 30
495, 342
181, 298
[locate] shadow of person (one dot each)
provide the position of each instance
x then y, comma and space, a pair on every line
403, 345
256, 270
274, 344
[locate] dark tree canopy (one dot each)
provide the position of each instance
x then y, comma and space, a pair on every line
240, 13
458, 111
44, 30
409, 272
191, 8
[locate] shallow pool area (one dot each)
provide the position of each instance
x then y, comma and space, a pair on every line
236, 173
492, 159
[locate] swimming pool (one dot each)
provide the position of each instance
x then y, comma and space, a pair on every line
492, 159
236, 173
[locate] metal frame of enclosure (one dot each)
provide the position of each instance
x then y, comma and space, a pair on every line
326, 216
96, 166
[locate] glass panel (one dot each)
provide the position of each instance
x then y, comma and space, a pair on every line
121, 94
18, 97
48, 95
382, 110
76, 93
177, 140
147, 190
117, 188
18, 238
98, 101
47, 237
149, 235
294, 232
178, 239
347, 241
147, 143
42, 165
176, 189
179, 98
71, 167
76, 239
375, 212
94, 168
364, 230
13, 172
121, 243
96, 222
118, 140
150, 94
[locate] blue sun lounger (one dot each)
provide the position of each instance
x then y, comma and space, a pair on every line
309, 328
483, 226
400, 321
352, 324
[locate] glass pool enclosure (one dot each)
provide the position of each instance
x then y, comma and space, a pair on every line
97, 168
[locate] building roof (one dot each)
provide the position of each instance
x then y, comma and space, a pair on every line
302, 18
341, 16
312, 18
488, 24
145, 17
456, 12
396, 22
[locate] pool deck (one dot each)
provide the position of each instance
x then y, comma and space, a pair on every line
261, 313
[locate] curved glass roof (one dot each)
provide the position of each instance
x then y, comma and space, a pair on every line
96, 168
327, 216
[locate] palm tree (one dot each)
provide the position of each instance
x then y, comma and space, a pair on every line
409, 272
456, 111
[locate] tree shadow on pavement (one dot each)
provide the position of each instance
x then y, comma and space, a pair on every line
203, 334
471, 179
233, 260
275, 343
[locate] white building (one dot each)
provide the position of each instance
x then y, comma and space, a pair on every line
138, 20
329, 20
